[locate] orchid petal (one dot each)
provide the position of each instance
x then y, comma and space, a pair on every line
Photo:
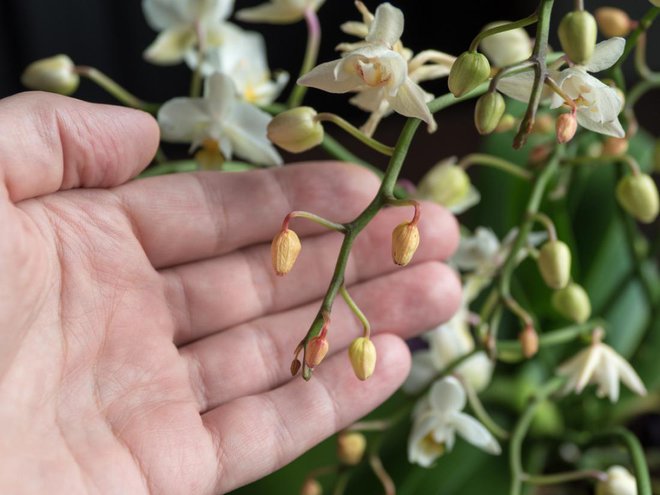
323, 77
447, 395
387, 26
606, 53
612, 128
247, 130
220, 92
183, 120
271, 13
410, 100
475, 433
517, 86
592, 357
422, 371
170, 46
628, 374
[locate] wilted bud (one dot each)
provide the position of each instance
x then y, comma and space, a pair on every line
508, 47
613, 22
311, 487
468, 71
572, 302
351, 447
529, 341
284, 250
55, 74
638, 195
614, 146
362, 353
577, 34
544, 123
488, 112
295, 366
296, 130
619, 482
566, 127
449, 185
316, 350
555, 264
405, 239
506, 123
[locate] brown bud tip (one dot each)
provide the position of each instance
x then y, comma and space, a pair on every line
311, 487
284, 251
351, 447
529, 341
362, 354
566, 127
295, 367
316, 351
405, 240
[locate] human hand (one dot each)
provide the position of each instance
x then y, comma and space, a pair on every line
144, 338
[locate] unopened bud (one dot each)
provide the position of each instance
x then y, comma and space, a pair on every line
448, 185
613, 22
284, 250
296, 130
468, 71
543, 124
405, 239
508, 47
295, 366
488, 112
529, 341
55, 74
566, 127
311, 487
506, 123
316, 350
614, 146
572, 302
362, 354
619, 481
638, 195
577, 35
555, 264
351, 447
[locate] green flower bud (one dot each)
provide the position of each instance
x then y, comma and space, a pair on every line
506, 123
362, 354
577, 34
555, 264
296, 130
572, 302
449, 185
55, 74
488, 112
638, 195
468, 71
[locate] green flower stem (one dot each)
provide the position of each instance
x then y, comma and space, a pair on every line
578, 5
355, 132
631, 41
341, 483
407, 202
640, 89
173, 167
311, 54
556, 478
518, 310
504, 27
641, 66
314, 218
547, 223
481, 413
382, 475
113, 88
494, 162
357, 311
375, 425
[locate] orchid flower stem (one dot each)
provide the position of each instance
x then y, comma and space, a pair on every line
547, 223
375, 425
314, 218
640, 59
518, 310
556, 478
311, 55
355, 132
481, 413
578, 5
500, 29
494, 162
448, 370
357, 311
196, 83
341, 483
407, 202
382, 475
113, 88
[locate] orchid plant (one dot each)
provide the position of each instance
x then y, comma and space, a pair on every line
532, 326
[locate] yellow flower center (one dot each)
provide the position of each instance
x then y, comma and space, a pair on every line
210, 157
430, 445
372, 73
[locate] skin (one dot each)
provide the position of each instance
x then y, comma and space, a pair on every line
145, 341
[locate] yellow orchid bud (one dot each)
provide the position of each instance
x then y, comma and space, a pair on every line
284, 250
618, 481
296, 130
362, 354
566, 127
555, 264
55, 74
351, 447
572, 302
311, 487
317, 348
577, 35
468, 71
529, 341
638, 195
488, 112
613, 22
405, 239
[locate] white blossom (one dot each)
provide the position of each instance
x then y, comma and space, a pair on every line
278, 11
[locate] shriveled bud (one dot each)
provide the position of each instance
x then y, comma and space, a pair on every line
614, 146
555, 264
284, 250
316, 351
296, 130
362, 353
613, 22
566, 127
488, 112
295, 366
55, 74
311, 487
529, 341
577, 35
572, 302
506, 123
351, 447
405, 239
638, 195
619, 481
544, 124
468, 71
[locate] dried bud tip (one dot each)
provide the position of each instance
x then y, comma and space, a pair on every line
296, 130
362, 354
317, 348
295, 367
405, 240
351, 447
284, 251
529, 341
566, 127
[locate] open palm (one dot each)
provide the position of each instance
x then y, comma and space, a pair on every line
144, 340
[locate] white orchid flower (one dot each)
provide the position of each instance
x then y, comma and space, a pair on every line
376, 65
219, 117
181, 24
436, 424
508, 47
601, 365
278, 11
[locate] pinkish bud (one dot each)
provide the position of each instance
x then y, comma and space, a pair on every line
566, 127
316, 350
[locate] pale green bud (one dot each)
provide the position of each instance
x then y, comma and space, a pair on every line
555, 264
351, 447
506, 123
572, 302
446, 184
468, 71
362, 354
55, 74
638, 195
296, 130
577, 33
488, 112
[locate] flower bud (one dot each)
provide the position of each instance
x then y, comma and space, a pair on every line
362, 353
638, 195
296, 130
529, 341
488, 112
572, 302
351, 447
55, 74
577, 35
613, 22
311, 487
508, 47
295, 366
506, 123
316, 350
544, 124
284, 250
555, 264
539, 154
566, 127
468, 71
449, 185
619, 482
614, 146
405, 239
